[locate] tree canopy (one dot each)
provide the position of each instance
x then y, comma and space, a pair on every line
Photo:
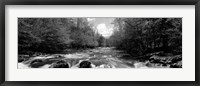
49, 35
144, 35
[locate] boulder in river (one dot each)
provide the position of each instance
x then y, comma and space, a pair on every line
60, 64
85, 64
176, 65
36, 63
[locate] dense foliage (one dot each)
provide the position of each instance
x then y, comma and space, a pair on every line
140, 36
51, 35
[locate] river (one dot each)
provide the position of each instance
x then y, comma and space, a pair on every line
101, 57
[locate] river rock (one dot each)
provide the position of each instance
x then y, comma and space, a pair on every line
176, 65
36, 63
85, 64
60, 64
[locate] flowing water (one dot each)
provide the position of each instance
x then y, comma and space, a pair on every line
101, 57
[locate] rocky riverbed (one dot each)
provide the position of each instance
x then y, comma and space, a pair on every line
102, 57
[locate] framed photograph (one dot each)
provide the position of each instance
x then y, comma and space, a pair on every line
101, 42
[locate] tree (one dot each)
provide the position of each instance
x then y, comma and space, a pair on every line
51, 35
139, 36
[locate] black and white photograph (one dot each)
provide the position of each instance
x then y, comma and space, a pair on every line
99, 42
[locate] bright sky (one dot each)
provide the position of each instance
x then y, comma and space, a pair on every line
102, 25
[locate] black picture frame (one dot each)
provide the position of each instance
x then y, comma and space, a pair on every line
99, 2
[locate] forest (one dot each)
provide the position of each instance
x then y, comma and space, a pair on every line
156, 40
147, 35
51, 35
